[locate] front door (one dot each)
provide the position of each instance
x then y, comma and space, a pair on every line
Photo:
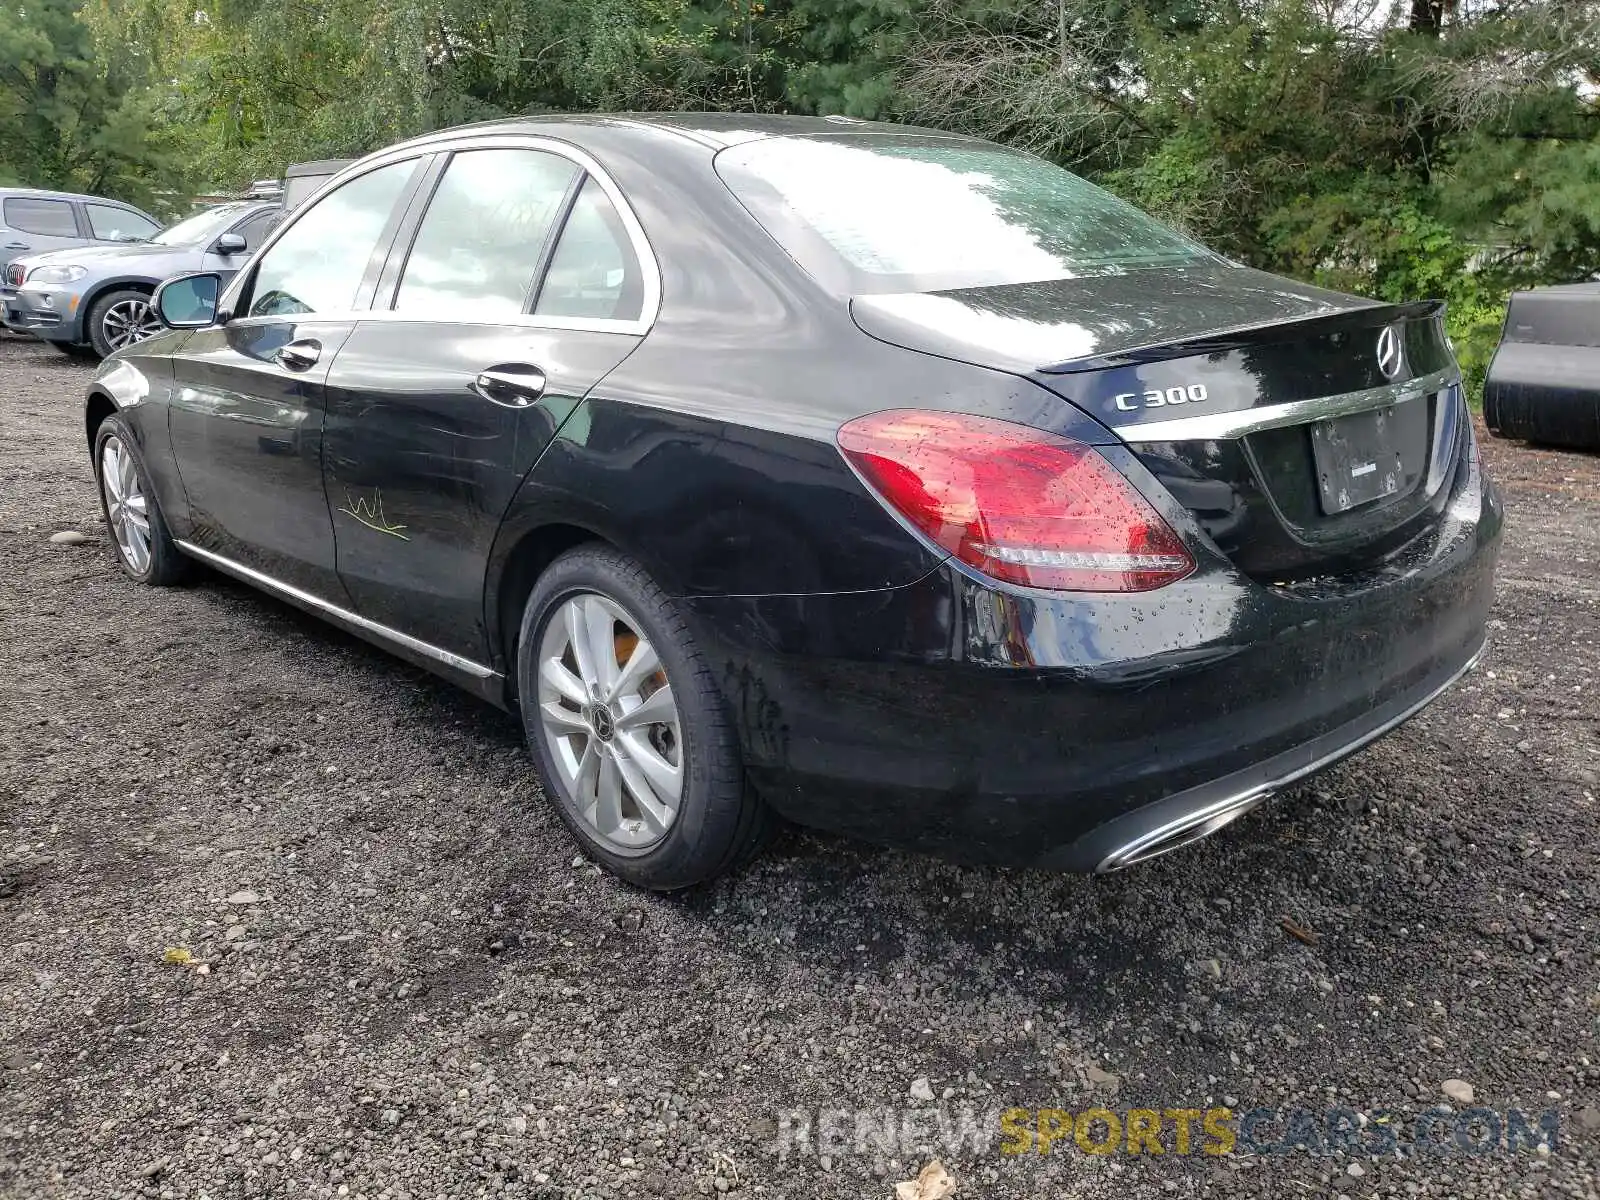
520, 291
247, 409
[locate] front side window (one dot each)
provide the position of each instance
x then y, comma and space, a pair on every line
255, 230
318, 263
916, 214
48, 218
594, 272
111, 224
484, 234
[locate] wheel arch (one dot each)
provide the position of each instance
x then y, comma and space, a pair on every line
513, 575
135, 283
96, 408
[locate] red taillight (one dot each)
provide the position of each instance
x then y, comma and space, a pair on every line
1018, 504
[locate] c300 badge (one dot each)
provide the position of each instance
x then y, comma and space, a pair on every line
1195, 393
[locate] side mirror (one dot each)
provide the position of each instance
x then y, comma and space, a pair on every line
188, 301
231, 243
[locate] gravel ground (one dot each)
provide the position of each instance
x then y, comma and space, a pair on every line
402, 983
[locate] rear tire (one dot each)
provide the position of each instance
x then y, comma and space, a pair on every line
659, 798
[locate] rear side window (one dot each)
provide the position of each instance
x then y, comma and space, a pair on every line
49, 218
318, 263
594, 272
485, 232
887, 213
111, 224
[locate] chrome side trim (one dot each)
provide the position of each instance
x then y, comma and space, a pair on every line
1221, 812
1222, 426
505, 320
342, 615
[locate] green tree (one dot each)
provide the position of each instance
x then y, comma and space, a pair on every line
1428, 148
70, 116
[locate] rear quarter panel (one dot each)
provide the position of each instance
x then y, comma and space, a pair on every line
709, 454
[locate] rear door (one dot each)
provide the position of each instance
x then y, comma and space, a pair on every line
521, 281
36, 225
246, 414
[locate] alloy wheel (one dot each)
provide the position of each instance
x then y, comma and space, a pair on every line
127, 322
126, 506
610, 722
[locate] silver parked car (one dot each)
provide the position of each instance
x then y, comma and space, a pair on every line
92, 303
34, 222
97, 299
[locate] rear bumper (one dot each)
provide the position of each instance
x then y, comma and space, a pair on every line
1187, 816
1030, 728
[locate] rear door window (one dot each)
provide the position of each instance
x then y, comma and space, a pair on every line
594, 272
48, 218
486, 230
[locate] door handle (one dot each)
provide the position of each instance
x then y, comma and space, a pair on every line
16, 245
299, 356
513, 385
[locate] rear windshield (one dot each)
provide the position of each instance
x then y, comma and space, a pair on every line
892, 213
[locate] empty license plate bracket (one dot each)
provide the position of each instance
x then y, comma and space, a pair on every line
1368, 456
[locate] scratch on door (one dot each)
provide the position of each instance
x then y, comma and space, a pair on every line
370, 514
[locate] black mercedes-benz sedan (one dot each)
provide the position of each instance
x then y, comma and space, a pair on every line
890, 481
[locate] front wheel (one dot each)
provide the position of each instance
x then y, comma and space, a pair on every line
629, 731
120, 319
144, 547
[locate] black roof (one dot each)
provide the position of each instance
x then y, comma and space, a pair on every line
731, 128
711, 129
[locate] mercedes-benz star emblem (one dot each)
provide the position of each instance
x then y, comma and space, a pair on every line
1391, 352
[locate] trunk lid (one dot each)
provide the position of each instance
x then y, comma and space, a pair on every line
1306, 431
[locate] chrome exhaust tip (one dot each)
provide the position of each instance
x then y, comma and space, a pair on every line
1183, 831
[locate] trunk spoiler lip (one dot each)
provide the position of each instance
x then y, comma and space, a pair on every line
1365, 316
